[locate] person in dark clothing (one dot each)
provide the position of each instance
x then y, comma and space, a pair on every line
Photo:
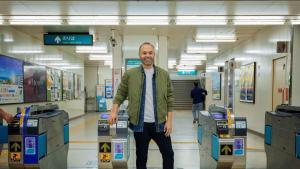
198, 96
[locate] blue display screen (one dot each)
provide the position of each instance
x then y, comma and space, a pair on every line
218, 116
104, 116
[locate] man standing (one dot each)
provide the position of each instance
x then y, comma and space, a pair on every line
150, 102
198, 95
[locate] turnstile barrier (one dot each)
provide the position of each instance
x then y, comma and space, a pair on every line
221, 145
282, 144
113, 142
38, 138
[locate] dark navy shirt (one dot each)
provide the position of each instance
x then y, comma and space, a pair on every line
198, 95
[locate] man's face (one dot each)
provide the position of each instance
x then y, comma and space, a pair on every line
147, 55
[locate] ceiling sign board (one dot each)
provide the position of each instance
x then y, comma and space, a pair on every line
68, 39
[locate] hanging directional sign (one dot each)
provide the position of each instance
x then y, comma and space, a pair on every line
68, 39
226, 149
105, 147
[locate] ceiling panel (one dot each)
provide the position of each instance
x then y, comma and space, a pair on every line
200, 8
147, 8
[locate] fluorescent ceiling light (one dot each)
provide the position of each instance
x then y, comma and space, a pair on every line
35, 20
219, 64
215, 38
71, 67
184, 67
202, 49
190, 62
107, 62
100, 57
49, 59
295, 22
258, 20
8, 38
25, 51
91, 49
147, 20
201, 20
193, 57
211, 67
93, 20
58, 64
171, 62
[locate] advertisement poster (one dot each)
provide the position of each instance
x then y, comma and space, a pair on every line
54, 85
34, 83
101, 101
216, 86
68, 86
108, 89
247, 82
11, 80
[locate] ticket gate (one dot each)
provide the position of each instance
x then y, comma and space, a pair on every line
282, 137
38, 138
221, 145
113, 142
3, 135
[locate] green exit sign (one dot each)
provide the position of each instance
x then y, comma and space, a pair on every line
68, 39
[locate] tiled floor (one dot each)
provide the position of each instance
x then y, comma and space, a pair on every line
83, 146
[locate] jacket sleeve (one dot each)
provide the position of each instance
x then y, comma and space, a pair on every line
122, 91
170, 96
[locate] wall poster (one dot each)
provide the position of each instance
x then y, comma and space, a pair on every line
216, 85
34, 83
68, 86
11, 80
54, 85
247, 83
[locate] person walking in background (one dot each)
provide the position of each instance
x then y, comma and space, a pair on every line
198, 96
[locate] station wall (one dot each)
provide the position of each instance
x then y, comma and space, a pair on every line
262, 50
22, 40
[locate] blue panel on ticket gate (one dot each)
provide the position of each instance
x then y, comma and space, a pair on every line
239, 147
104, 116
268, 134
66, 134
200, 134
30, 150
42, 145
3, 134
215, 147
298, 145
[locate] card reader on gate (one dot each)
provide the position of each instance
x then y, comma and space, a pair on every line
222, 127
103, 126
240, 126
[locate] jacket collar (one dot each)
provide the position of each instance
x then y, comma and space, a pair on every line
143, 70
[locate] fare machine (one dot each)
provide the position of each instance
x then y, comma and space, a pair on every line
113, 142
282, 137
38, 138
222, 139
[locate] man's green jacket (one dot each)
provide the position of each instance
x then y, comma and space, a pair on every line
131, 88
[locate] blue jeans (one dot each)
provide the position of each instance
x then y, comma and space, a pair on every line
196, 109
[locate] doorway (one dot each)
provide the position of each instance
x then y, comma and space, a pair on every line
279, 82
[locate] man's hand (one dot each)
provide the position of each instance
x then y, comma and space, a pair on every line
8, 117
113, 116
168, 128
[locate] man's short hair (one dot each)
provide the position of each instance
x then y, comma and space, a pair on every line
196, 84
146, 43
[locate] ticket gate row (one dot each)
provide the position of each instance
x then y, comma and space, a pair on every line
222, 140
38, 138
282, 137
113, 142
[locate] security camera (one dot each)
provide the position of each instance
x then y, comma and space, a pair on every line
113, 41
